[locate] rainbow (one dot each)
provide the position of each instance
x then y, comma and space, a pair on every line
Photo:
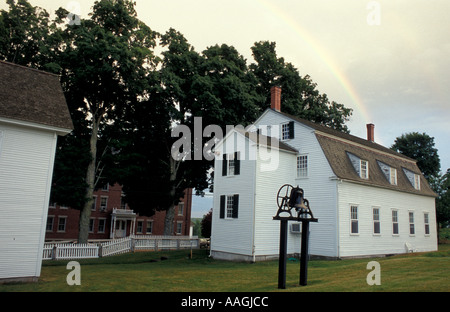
323, 55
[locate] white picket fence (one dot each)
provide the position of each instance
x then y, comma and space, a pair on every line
55, 251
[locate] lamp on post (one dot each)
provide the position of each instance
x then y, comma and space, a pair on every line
292, 198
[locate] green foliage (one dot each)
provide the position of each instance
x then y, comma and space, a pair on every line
124, 101
442, 188
24, 32
420, 146
206, 224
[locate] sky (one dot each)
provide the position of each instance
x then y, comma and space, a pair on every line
387, 60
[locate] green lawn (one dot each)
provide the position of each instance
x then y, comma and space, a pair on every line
146, 272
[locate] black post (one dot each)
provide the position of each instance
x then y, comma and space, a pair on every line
304, 256
283, 255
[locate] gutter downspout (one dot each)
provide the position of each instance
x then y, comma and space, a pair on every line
338, 181
254, 204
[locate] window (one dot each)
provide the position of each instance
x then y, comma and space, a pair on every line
361, 166
101, 226
123, 204
179, 227
140, 227
302, 166
91, 225
364, 173
376, 220
231, 164
393, 176
149, 227
62, 224
296, 228
105, 187
94, 203
287, 131
416, 181
411, 223
427, 223
354, 219
180, 208
229, 206
394, 222
389, 172
413, 178
50, 220
103, 203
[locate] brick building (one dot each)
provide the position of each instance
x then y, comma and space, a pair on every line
109, 208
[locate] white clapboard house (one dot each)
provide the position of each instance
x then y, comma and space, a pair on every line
368, 199
33, 112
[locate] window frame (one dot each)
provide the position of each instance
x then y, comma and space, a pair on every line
393, 176
105, 208
91, 226
63, 224
94, 203
426, 222
229, 207
287, 131
139, 226
364, 173
235, 160
354, 219
412, 230
395, 224
179, 228
49, 226
181, 209
101, 225
376, 218
149, 222
302, 172
417, 181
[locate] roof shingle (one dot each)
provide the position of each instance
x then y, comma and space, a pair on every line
32, 95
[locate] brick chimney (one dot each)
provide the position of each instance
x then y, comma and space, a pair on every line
371, 132
275, 102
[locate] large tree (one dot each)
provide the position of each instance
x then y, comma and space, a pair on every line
24, 32
215, 86
421, 147
105, 61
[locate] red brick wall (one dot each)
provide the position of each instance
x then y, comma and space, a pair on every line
113, 195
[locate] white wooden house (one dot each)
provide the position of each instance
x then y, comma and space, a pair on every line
33, 112
369, 200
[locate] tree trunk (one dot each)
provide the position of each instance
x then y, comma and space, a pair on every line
85, 213
170, 212
168, 221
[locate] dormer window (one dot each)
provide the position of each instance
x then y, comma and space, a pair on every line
413, 178
389, 172
393, 176
361, 166
364, 169
416, 181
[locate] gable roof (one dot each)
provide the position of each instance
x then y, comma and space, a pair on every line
336, 145
33, 96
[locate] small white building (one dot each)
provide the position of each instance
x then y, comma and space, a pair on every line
33, 112
369, 200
